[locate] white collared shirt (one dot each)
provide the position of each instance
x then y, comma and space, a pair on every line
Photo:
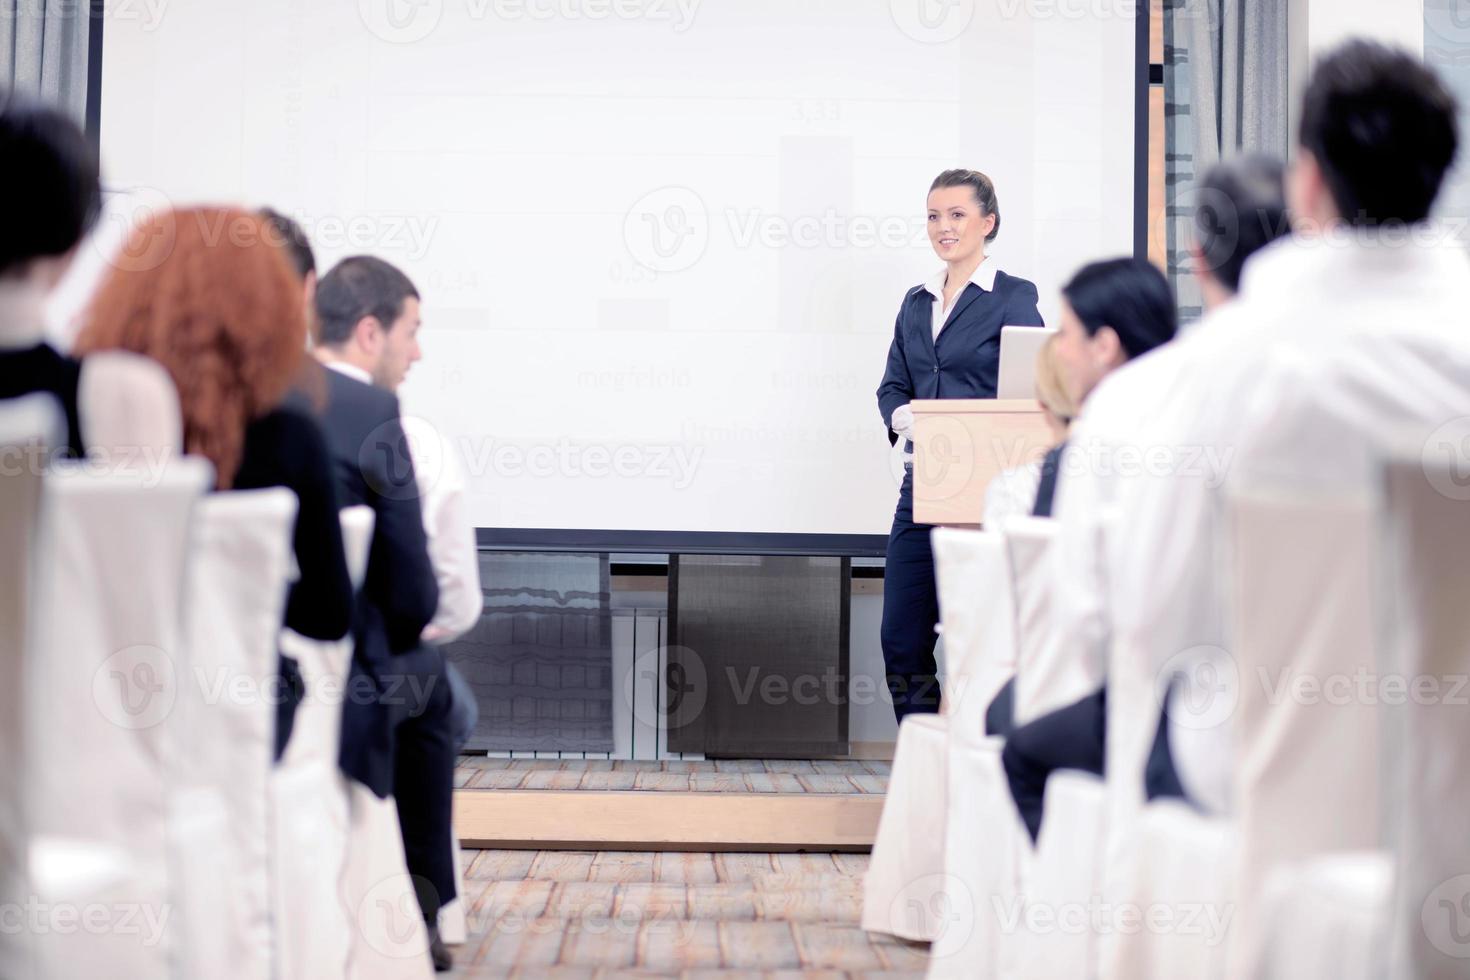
452, 548
983, 276
1332, 347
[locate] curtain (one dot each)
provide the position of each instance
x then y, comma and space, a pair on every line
43, 51
1225, 92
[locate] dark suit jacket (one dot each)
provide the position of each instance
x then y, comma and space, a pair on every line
965, 361
373, 466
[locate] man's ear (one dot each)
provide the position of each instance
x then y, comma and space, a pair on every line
368, 334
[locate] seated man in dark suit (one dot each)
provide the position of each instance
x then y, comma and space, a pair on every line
395, 740
54, 171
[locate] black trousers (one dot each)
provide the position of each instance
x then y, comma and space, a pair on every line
418, 697
1073, 737
910, 611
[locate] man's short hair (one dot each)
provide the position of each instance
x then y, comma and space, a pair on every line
52, 173
1382, 127
1241, 210
290, 236
357, 287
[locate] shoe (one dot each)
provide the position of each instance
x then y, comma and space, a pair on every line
438, 952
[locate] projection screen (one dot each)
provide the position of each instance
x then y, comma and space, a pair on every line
660, 243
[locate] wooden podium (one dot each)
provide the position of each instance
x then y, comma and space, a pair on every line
960, 444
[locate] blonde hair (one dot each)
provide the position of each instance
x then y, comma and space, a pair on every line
1051, 389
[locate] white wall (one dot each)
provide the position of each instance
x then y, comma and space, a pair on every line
1315, 26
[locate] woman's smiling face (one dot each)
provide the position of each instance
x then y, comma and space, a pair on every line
957, 226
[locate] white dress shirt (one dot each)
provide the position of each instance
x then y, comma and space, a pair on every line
452, 548
1333, 348
984, 277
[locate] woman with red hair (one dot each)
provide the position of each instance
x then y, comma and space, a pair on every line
207, 294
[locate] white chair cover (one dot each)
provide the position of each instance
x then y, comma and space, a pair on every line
27, 425
108, 670
905, 882
1329, 917
909, 889
976, 606
220, 822
1058, 932
1304, 760
309, 798
1428, 775
128, 410
1184, 879
389, 940
1047, 678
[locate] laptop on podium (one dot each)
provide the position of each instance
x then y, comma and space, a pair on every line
1018, 349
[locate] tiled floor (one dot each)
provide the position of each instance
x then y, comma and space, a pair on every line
576, 915
723, 776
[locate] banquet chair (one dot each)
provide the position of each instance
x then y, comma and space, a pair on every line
309, 797
225, 718
128, 411
908, 890
107, 664
27, 425
1398, 910
1304, 769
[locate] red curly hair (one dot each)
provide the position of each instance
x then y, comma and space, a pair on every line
206, 293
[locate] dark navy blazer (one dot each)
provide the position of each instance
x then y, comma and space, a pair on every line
965, 361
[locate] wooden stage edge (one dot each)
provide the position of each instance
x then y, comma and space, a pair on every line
651, 820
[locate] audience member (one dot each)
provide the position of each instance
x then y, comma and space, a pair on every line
1346, 335
52, 168
1112, 312
222, 314
367, 323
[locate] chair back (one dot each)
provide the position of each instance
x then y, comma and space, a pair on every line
978, 615
1303, 745
107, 671
128, 410
238, 579
1046, 678
1426, 769
28, 426
309, 797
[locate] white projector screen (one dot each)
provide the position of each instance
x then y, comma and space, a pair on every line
661, 243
